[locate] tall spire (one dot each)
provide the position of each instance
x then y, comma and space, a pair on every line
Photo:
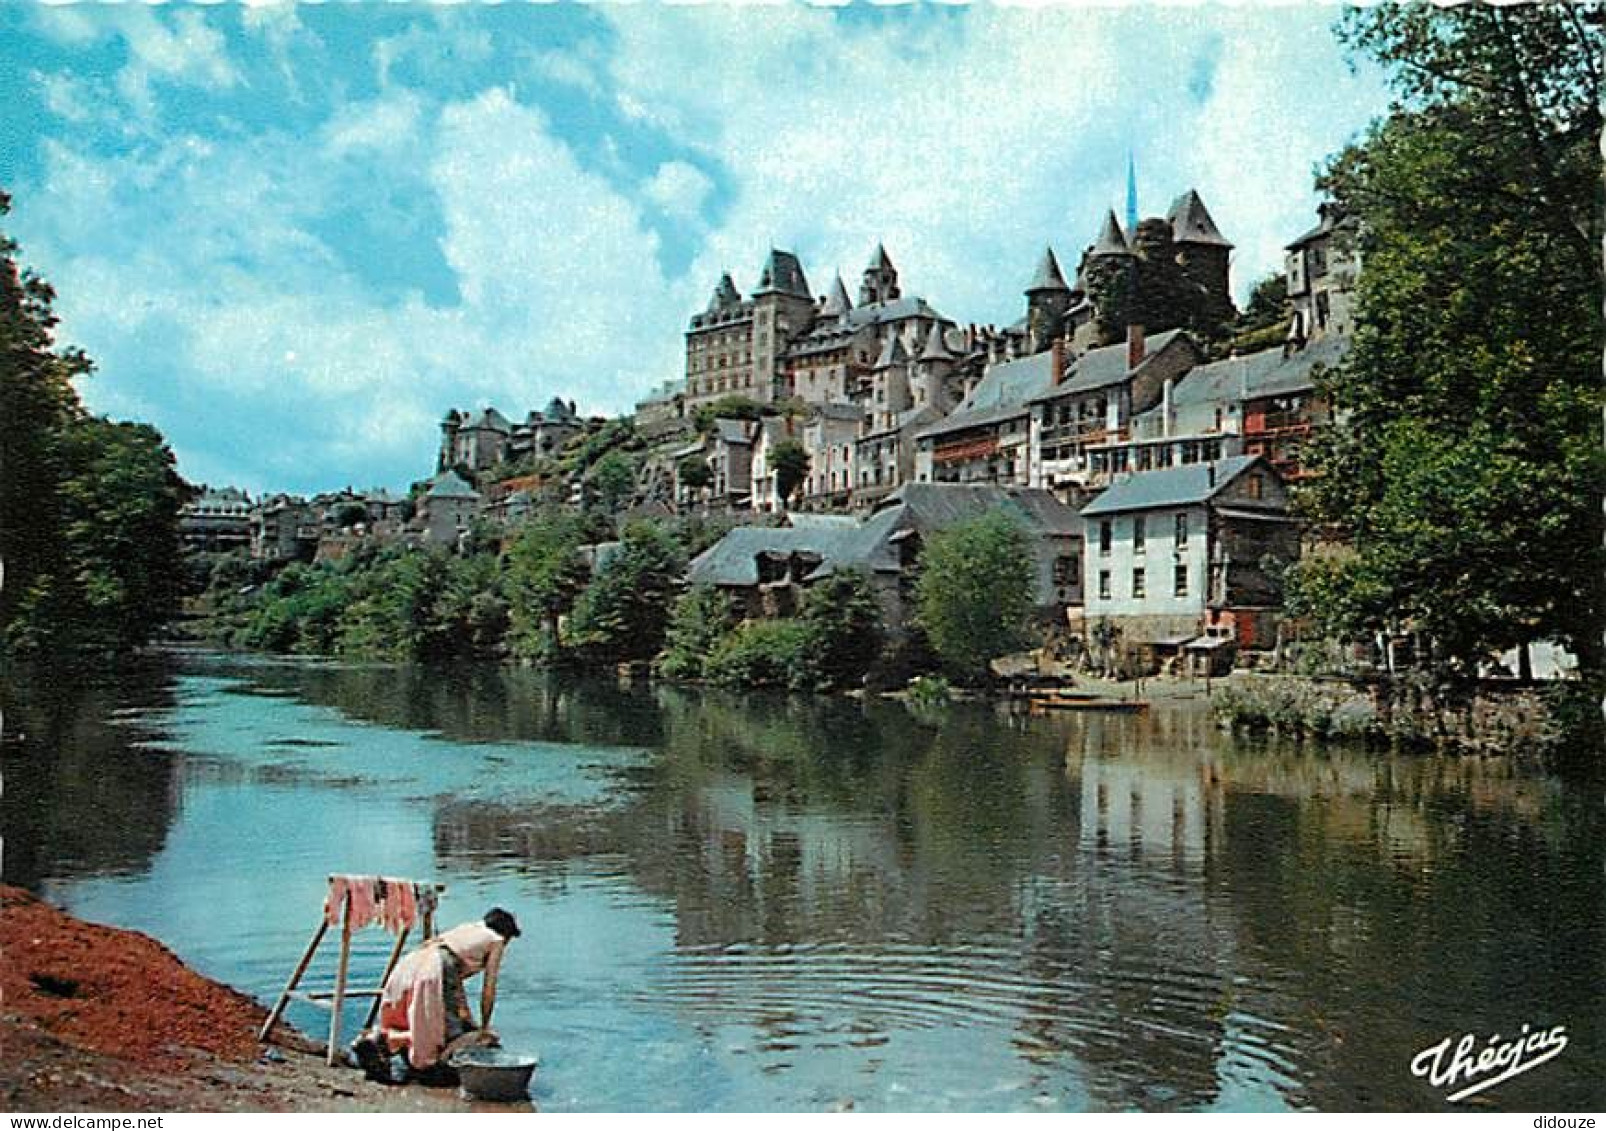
1131, 193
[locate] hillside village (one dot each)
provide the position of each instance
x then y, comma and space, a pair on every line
1140, 433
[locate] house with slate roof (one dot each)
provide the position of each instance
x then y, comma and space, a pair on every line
446, 508
985, 439
765, 568
1321, 267
1182, 552
1263, 403
1094, 401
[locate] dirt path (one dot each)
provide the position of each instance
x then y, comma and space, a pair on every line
95, 1018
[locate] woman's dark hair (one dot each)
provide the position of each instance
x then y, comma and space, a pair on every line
502, 923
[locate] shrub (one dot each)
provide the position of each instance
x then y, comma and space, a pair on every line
765, 653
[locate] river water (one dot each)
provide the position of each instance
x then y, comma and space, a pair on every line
772, 903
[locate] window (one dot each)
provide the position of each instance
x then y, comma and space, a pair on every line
1324, 310
1106, 532
1066, 567
1179, 586
1182, 529
1139, 535
1104, 585
1256, 486
1138, 586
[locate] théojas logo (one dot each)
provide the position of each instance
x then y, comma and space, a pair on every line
1445, 1068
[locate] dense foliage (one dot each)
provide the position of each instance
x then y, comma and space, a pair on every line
974, 593
789, 461
1466, 479
88, 507
622, 615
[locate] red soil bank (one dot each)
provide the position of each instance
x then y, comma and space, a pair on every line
114, 992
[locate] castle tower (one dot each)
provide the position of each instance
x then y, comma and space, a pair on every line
880, 279
1110, 274
932, 369
836, 301
1203, 252
783, 308
1047, 300
449, 425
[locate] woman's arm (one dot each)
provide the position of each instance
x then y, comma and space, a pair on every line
493, 965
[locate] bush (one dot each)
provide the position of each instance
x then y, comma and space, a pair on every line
844, 618
766, 653
700, 618
930, 691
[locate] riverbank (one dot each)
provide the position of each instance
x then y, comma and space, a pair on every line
94, 1018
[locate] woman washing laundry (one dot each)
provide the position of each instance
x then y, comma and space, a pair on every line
423, 1009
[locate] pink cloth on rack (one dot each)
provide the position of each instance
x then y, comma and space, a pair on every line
393, 903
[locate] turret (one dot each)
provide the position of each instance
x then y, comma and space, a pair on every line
1047, 300
880, 279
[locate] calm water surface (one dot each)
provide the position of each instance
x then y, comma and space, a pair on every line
766, 903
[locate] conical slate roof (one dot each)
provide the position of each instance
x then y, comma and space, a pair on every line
892, 353
1191, 222
880, 261
1111, 241
725, 294
836, 302
935, 348
1047, 276
782, 274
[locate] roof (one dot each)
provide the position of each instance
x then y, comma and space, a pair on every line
892, 310
1185, 485
837, 302
892, 353
1105, 366
1047, 277
806, 521
730, 431
1264, 373
487, 418
1330, 222
733, 560
839, 410
1110, 241
1191, 222
880, 261
384, 496
782, 274
725, 294
450, 485
1003, 392
936, 348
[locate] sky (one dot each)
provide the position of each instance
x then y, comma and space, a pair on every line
293, 237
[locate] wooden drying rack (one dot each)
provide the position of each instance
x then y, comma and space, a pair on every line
334, 999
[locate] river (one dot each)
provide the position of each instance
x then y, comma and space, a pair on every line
771, 903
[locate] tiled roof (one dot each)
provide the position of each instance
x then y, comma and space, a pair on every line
1003, 392
1184, 485
450, 485
1047, 276
782, 274
1191, 222
1110, 241
1105, 366
731, 431
1265, 373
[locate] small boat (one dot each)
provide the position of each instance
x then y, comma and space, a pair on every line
1039, 704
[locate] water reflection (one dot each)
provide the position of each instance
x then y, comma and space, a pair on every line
781, 902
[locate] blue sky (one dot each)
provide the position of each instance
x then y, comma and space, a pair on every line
291, 237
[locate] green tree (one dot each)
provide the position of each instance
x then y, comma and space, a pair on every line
546, 570
88, 508
1467, 474
623, 614
694, 473
973, 595
612, 481
701, 616
844, 621
789, 462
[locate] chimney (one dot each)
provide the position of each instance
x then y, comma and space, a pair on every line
1056, 351
1134, 345
1165, 408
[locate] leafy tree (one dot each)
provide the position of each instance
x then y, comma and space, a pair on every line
973, 595
694, 473
546, 570
844, 620
789, 461
700, 618
727, 408
1467, 474
88, 508
613, 480
766, 653
350, 514
623, 614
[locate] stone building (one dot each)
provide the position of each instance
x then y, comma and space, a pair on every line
734, 347
984, 440
218, 519
1321, 267
446, 508
1183, 552
284, 528
1094, 400
829, 435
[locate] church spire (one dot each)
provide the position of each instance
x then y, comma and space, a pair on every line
1131, 193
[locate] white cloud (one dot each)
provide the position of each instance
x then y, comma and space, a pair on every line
680, 190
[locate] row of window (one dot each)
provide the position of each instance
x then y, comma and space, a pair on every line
1140, 533
1140, 583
